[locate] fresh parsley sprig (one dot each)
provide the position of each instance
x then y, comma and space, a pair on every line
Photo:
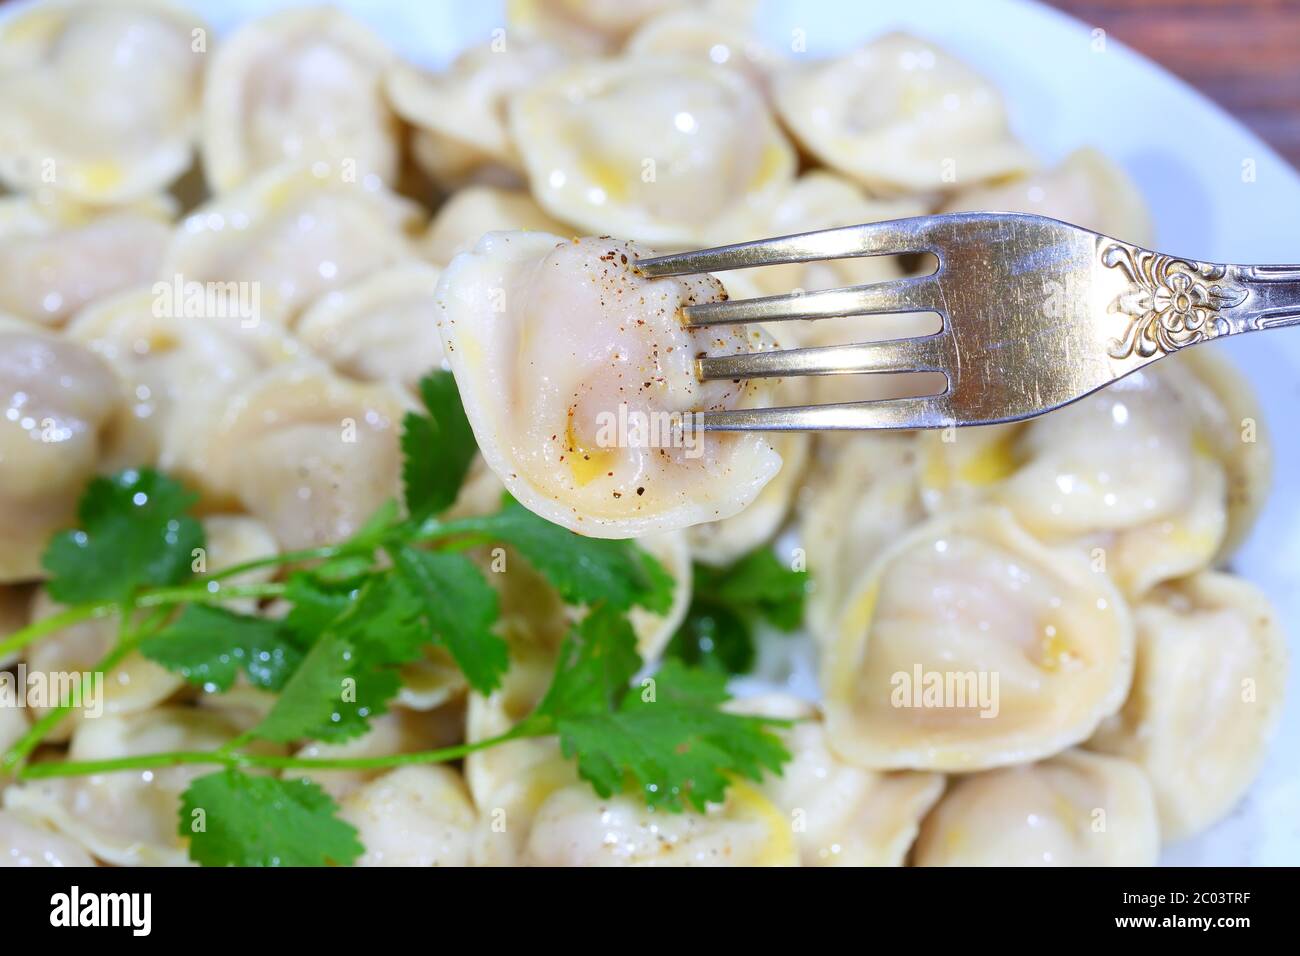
356, 612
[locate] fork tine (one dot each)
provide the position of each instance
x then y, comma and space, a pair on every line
894, 355
869, 239
928, 411
916, 294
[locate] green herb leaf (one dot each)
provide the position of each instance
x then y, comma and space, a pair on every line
459, 608
713, 636
665, 739
351, 671
331, 696
209, 645
760, 583
583, 570
236, 819
134, 532
438, 448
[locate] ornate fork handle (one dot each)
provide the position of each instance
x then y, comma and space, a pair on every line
1176, 302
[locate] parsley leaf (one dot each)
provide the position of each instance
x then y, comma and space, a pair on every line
718, 630
331, 696
437, 448
713, 636
666, 739
208, 646
133, 533
236, 819
760, 583
358, 641
459, 608
583, 570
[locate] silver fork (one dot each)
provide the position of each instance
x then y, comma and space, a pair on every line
1036, 314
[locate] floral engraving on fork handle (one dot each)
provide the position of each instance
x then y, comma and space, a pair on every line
1174, 302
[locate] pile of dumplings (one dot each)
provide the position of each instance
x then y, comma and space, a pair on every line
372, 221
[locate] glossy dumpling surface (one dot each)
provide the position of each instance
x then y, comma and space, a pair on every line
98, 100
576, 827
413, 816
460, 114
56, 400
56, 256
650, 149
1207, 696
177, 373
900, 115
548, 338
380, 328
300, 85
968, 644
310, 454
291, 234
25, 842
841, 815
1078, 809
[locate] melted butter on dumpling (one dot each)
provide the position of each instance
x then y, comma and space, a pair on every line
555, 345
968, 644
1135, 475
98, 100
298, 85
900, 115
654, 149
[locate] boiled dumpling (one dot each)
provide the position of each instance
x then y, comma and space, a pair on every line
25, 842
128, 818
585, 25
1207, 696
292, 233
310, 454
1134, 475
900, 115
1078, 809
650, 149
56, 256
570, 364
470, 212
178, 372
99, 99
413, 816
968, 644
382, 328
57, 399
1087, 189
299, 85
459, 115
576, 827
862, 496
721, 34
841, 815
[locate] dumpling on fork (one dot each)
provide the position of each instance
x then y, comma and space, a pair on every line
578, 374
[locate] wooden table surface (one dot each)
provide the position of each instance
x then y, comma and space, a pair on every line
1243, 54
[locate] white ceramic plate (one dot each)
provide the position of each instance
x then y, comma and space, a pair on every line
1067, 86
